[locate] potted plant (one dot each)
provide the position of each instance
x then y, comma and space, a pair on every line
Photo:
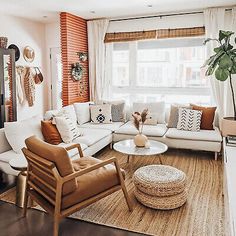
140, 139
223, 64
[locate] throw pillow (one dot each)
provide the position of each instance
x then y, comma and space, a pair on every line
117, 110
66, 127
174, 114
208, 116
17, 132
50, 133
153, 107
189, 120
70, 110
82, 112
101, 114
151, 119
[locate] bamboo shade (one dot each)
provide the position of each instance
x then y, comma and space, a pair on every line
154, 34
129, 36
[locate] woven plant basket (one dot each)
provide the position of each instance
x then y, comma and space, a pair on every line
160, 180
161, 203
3, 42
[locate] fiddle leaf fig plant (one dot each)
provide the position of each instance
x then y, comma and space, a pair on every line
223, 61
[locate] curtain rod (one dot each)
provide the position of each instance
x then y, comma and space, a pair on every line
160, 16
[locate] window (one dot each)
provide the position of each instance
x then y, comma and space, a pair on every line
153, 70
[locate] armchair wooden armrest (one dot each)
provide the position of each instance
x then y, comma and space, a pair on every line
91, 168
77, 145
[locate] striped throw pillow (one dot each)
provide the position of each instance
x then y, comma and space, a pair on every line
66, 127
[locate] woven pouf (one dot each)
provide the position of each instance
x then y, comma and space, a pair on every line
161, 203
160, 186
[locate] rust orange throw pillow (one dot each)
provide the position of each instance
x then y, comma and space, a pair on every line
50, 133
208, 115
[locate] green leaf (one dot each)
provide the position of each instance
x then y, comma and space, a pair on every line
209, 61
224, 34
221, 74
217, 50
225, 62
210, 70
233, 69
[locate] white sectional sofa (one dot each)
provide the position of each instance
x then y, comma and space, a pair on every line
96, 136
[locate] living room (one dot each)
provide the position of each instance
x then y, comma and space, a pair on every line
117, 118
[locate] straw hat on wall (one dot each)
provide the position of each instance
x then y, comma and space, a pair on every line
29, 54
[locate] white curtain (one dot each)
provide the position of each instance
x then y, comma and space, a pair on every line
97, 58
217, 19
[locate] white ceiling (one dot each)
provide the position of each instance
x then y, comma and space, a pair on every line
36, 9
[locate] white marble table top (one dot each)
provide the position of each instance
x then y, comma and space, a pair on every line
128, 147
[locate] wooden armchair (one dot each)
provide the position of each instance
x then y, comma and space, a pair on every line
62, 186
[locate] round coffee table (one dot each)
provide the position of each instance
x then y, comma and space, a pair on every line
20, 164
128, 147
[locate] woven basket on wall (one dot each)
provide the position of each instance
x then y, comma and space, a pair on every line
3, 42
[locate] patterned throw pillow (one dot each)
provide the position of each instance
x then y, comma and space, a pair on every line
66, 127
189, 120
174, 114
101, 114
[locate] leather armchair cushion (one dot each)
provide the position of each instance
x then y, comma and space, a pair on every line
92, 183
57, 155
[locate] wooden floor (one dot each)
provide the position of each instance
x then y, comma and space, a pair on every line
39, 223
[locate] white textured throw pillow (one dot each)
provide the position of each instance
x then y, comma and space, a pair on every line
66, 127
151, 119
101, 114
189, 120
82, 111
17, 132
153, 107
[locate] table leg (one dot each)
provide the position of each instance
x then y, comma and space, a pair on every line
160, 156
131, 163
20, 189
128, 158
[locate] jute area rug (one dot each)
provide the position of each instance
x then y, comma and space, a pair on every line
203, 214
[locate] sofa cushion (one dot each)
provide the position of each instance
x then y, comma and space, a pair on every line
203, 135
66, 127
150, 130
17, 132
82, 111
113, 126
101, 113
189, 120
208, 116
91, 136
70, 111
153, 107
50, 132
92, 183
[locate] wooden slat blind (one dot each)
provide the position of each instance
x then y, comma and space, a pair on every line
181, 32
129, 36
154, 34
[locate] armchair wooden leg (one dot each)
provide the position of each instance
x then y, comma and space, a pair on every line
127, 198
56, 226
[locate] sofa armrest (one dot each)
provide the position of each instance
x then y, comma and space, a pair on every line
5, 146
